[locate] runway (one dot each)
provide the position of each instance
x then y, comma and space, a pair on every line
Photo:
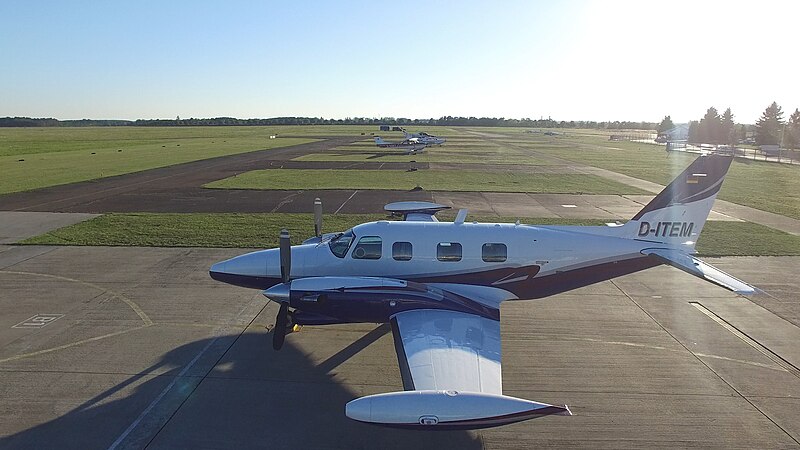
140, 348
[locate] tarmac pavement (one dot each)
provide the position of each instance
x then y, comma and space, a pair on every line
142, 348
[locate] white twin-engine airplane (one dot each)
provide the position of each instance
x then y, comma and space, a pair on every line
425, 138
411, 146
440, 286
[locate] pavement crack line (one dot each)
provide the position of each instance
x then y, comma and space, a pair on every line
71, 344
285, 200
675, 338
776, 366
776, 358
28, 258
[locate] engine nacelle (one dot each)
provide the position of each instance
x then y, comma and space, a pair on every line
366, 299
446, 409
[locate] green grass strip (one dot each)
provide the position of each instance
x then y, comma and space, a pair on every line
431, 180
261, 231
42, 169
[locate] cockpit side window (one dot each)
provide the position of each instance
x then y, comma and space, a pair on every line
368, 247
341, 243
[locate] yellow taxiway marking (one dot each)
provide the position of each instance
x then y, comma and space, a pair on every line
142, 315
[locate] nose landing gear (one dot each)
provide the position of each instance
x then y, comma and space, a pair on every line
284, 324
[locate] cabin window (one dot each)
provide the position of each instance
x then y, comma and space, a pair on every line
494, 252
340, 243
368, 247
448, 251
401, 251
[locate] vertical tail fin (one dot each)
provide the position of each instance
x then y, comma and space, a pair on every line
676, 215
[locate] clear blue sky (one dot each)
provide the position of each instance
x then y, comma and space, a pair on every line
573, 60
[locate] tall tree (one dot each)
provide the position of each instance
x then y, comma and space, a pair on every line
727, 128
768, 127
742, 135
710, 126
792, 137
665, 125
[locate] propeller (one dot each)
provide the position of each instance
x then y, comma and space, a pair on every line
281, 322
279, 332
317, 217
286, 255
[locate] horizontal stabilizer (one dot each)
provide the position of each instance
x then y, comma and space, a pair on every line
700, 269
447, 409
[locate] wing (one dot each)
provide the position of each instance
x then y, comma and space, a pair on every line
698, 268
450, 366
448, 350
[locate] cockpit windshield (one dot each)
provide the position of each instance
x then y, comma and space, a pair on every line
340, 243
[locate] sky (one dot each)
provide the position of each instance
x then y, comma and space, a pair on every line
569, 60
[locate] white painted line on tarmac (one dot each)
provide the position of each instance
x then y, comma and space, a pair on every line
345, 202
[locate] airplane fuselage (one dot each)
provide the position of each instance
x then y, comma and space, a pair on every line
486, 262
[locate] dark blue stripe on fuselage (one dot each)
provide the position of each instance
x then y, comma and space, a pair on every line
529, 288
247, 281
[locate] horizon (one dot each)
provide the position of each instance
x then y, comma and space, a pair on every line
351, 117
582, 60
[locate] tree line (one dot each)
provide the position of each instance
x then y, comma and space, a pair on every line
770, 129
452, 121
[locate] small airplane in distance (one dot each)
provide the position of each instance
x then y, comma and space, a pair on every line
411, 146
440, 286
425, 138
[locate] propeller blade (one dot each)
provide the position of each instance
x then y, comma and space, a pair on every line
317, 217
286, 255
279, 332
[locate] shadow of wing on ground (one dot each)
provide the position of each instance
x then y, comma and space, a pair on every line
238, 394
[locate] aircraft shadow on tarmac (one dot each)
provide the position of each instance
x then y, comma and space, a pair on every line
250, 397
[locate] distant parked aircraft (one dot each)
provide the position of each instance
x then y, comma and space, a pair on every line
411, 146
425, 138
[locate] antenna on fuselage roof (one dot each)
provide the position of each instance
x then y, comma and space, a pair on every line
462, 215
415, 211
317, 217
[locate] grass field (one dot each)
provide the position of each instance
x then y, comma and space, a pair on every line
761, 185
261, 231
54, 156
431, 180
32, 158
